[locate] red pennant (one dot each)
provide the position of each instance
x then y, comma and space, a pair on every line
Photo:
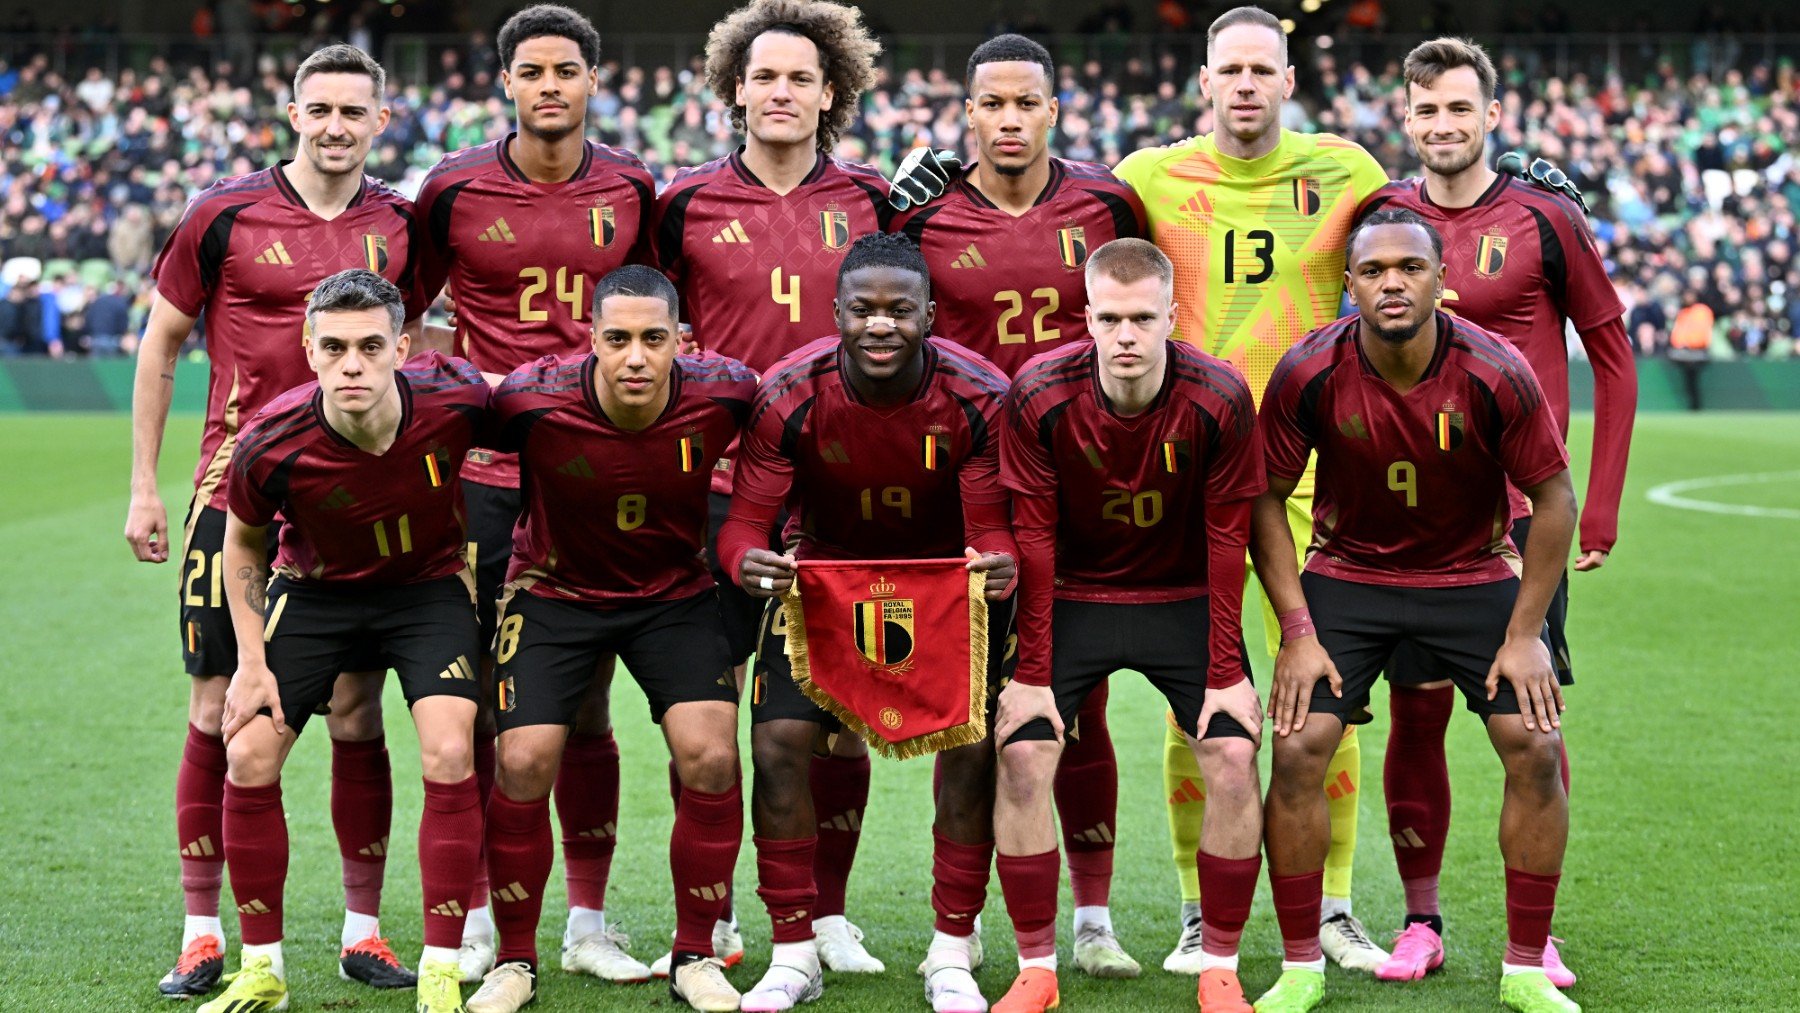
896, 649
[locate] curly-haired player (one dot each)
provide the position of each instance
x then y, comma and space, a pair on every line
754, 241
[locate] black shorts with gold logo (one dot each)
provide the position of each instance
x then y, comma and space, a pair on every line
426, 632
548, 651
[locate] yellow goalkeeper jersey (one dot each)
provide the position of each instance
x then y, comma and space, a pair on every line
1258, 245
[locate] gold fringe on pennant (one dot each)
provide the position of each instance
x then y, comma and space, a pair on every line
968, 733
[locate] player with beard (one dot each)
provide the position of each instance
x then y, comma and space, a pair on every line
1420, 421
521, 229
1007, 244
1254, 218
246, 254
838, 418
1522, 263
754, 241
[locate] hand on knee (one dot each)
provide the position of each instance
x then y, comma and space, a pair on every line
253, 760
1027, 770
1228, 764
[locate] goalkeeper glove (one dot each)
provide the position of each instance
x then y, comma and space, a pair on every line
1542, 174
922, 177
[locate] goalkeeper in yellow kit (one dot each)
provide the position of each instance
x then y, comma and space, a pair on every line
1254, 218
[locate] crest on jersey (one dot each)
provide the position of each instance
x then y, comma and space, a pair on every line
1306, 196
1490, 256
1071, 245
1177, 456
936, 448
691, 451
834, 228
884, 627
437, 465
375, 252
601, 225
1449, 431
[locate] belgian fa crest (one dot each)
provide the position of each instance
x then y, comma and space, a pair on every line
834, 228
602, 225
375, 254
884, 627
1490, 256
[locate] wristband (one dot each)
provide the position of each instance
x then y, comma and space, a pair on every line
1296, 624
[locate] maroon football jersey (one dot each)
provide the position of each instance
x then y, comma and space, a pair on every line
613, 516
1013, 287
522, 258
353, 516
248, 252
1411, 488
918, 480
758, 271
1521, 262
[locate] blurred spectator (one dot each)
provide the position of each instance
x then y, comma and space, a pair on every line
1693, 177
1690, 343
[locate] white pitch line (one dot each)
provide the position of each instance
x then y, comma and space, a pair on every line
1670, 494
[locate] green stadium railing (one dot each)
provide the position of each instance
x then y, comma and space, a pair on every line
104, 385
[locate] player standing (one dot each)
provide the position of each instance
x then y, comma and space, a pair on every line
1102, 442
361, 468
835, 435
1007, 244
1520, 262
1419, 421
1254, 218
521, 229
753, 241
616, 448
246, 254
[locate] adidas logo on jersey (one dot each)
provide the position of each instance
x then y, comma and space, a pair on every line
576, 467
1197, 205
275, 254
1353, 427
340, 498
459, 669
733, 233
971, 257
499, 232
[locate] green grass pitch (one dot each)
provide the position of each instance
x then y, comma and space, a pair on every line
1679, 894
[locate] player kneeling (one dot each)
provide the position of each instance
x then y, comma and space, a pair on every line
1133, 460
362, 468
616, 449
1420, 420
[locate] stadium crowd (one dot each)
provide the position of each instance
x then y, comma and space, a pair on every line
1692, 180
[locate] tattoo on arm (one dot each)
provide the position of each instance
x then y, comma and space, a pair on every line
169, 377
256, 586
